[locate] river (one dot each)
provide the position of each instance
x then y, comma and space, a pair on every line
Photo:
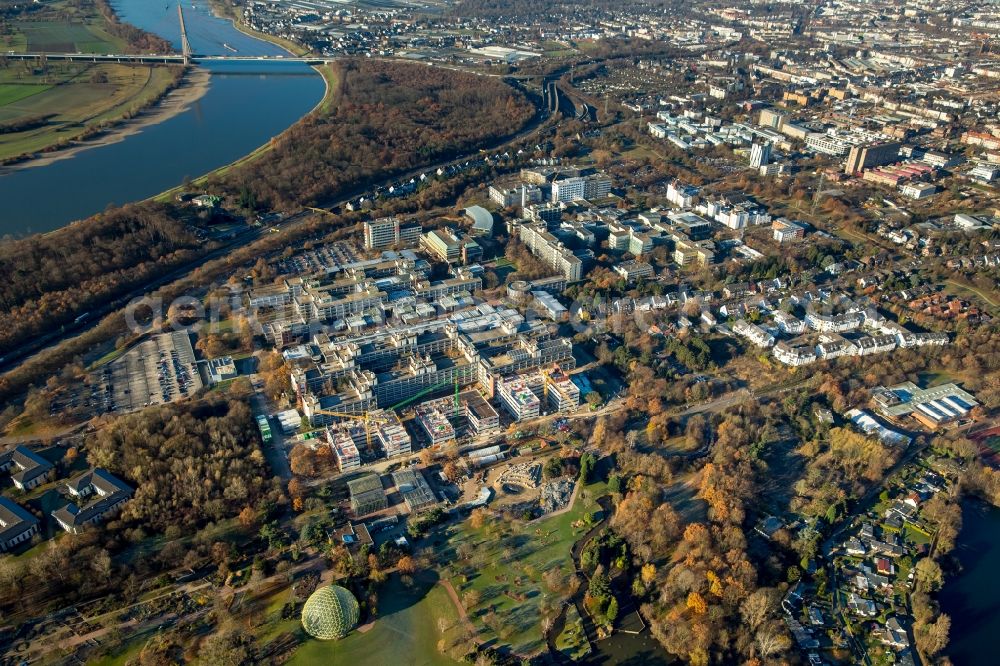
970, 598
245, 106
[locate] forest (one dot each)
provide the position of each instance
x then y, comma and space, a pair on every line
388, 118
194, 466
50, 279
190, 463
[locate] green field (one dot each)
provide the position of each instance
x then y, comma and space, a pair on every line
70, 97
508, 565
405, 631
75, 95
59, 37
14, 92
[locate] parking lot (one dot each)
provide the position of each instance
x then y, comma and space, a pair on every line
157, 371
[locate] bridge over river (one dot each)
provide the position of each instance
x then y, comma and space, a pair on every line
186, 57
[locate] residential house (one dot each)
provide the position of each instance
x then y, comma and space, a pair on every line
98, 493
28, 469
16, 524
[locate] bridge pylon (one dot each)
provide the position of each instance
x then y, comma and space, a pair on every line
185, 44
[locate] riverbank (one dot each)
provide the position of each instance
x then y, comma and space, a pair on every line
227, 12
173, 101
968, 594
329, 80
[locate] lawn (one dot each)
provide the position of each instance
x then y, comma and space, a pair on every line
915, 534
505, 568
572, 641
125, 653
405, 632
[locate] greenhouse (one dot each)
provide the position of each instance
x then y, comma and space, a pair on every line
330, 613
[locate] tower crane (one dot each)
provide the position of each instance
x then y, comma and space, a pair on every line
372, 418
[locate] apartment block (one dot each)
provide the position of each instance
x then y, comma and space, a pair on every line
586, 188
551, 251
871, 155
786, 231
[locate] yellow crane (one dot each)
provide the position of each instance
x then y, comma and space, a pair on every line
370, 418
367, 418
545, 385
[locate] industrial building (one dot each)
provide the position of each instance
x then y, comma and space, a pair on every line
932, 407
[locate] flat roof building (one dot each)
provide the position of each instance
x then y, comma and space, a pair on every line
393, 437
435, 425
517, 398
345, 450
381, 233
933, 407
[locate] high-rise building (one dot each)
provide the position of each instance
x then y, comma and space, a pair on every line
380, 233
760, 155
587, 187
872, 155
772, 119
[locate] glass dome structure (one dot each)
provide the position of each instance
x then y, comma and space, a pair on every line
330, 613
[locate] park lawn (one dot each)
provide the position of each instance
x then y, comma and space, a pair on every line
572, 641
682, 495
514, 564
404, 632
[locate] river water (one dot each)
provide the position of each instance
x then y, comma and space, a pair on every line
245, 106
970, 598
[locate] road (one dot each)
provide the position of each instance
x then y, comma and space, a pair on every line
26, 352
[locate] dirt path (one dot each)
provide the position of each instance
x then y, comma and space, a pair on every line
974, 290
453, 595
